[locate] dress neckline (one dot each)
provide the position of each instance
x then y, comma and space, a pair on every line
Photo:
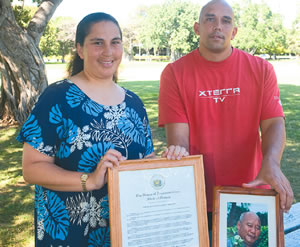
125, 92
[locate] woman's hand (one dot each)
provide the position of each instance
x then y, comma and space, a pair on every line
175, 152
98, 178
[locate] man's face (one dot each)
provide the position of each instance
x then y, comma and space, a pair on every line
249, 229
216, 27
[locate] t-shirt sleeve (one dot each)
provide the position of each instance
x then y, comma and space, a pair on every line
271, 105
37, 130
170, 103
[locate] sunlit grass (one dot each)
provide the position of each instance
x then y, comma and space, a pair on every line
16, 197
291, 157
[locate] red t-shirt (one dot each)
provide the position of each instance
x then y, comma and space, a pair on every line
223, 103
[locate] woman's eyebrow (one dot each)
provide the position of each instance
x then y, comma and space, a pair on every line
96, 39
101, 39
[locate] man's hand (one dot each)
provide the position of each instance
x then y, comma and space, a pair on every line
272, 175
177, 135
175, 152
273, 141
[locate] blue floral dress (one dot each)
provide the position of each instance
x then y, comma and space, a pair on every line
67, 125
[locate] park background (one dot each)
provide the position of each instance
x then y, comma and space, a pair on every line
262, 32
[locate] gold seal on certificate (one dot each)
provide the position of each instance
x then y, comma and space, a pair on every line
158, 202
157, 181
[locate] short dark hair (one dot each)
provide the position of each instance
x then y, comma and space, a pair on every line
83, 29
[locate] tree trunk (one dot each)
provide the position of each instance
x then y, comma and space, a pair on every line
23, 74
175, 54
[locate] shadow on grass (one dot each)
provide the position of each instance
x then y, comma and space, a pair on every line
16, 210
16, 197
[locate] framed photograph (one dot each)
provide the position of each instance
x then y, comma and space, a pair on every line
247, 217
158, 202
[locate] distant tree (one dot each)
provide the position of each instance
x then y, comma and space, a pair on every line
149, 32
273, 33
182, 37
294, 37
22, 68
259, 29
169, 25
66, 27
24, 14
49, 43
129, 39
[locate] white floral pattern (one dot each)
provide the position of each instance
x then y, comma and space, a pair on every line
85, 209
82, 139
114, 114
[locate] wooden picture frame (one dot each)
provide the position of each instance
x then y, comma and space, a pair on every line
144, 206
230, 225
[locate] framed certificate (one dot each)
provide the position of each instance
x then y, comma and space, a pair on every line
247, 217
158, 202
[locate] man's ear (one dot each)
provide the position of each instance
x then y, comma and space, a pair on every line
234, 32
197, 28
238, 225
79, 50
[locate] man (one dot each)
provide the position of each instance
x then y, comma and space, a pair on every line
214, 101
248, 228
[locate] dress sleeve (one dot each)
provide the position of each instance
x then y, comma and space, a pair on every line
37, 130
271, 105
170, 103
149, 140
145, 132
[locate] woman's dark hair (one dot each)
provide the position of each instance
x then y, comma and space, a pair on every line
83, 28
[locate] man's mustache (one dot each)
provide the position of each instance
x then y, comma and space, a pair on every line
219, 35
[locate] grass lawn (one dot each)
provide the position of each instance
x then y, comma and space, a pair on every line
16, 197
290, 97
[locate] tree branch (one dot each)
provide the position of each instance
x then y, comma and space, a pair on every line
41, 18
4, 3
6, 11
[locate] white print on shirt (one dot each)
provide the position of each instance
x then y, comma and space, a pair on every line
219, 95
278, 99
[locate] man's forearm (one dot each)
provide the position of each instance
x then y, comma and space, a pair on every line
177, 134
273, 139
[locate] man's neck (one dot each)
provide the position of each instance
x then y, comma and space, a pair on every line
215, 57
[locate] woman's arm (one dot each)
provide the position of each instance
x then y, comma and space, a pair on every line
40, 169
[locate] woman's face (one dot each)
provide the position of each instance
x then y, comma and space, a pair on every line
102, 50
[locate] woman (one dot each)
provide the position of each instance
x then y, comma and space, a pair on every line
78, 129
